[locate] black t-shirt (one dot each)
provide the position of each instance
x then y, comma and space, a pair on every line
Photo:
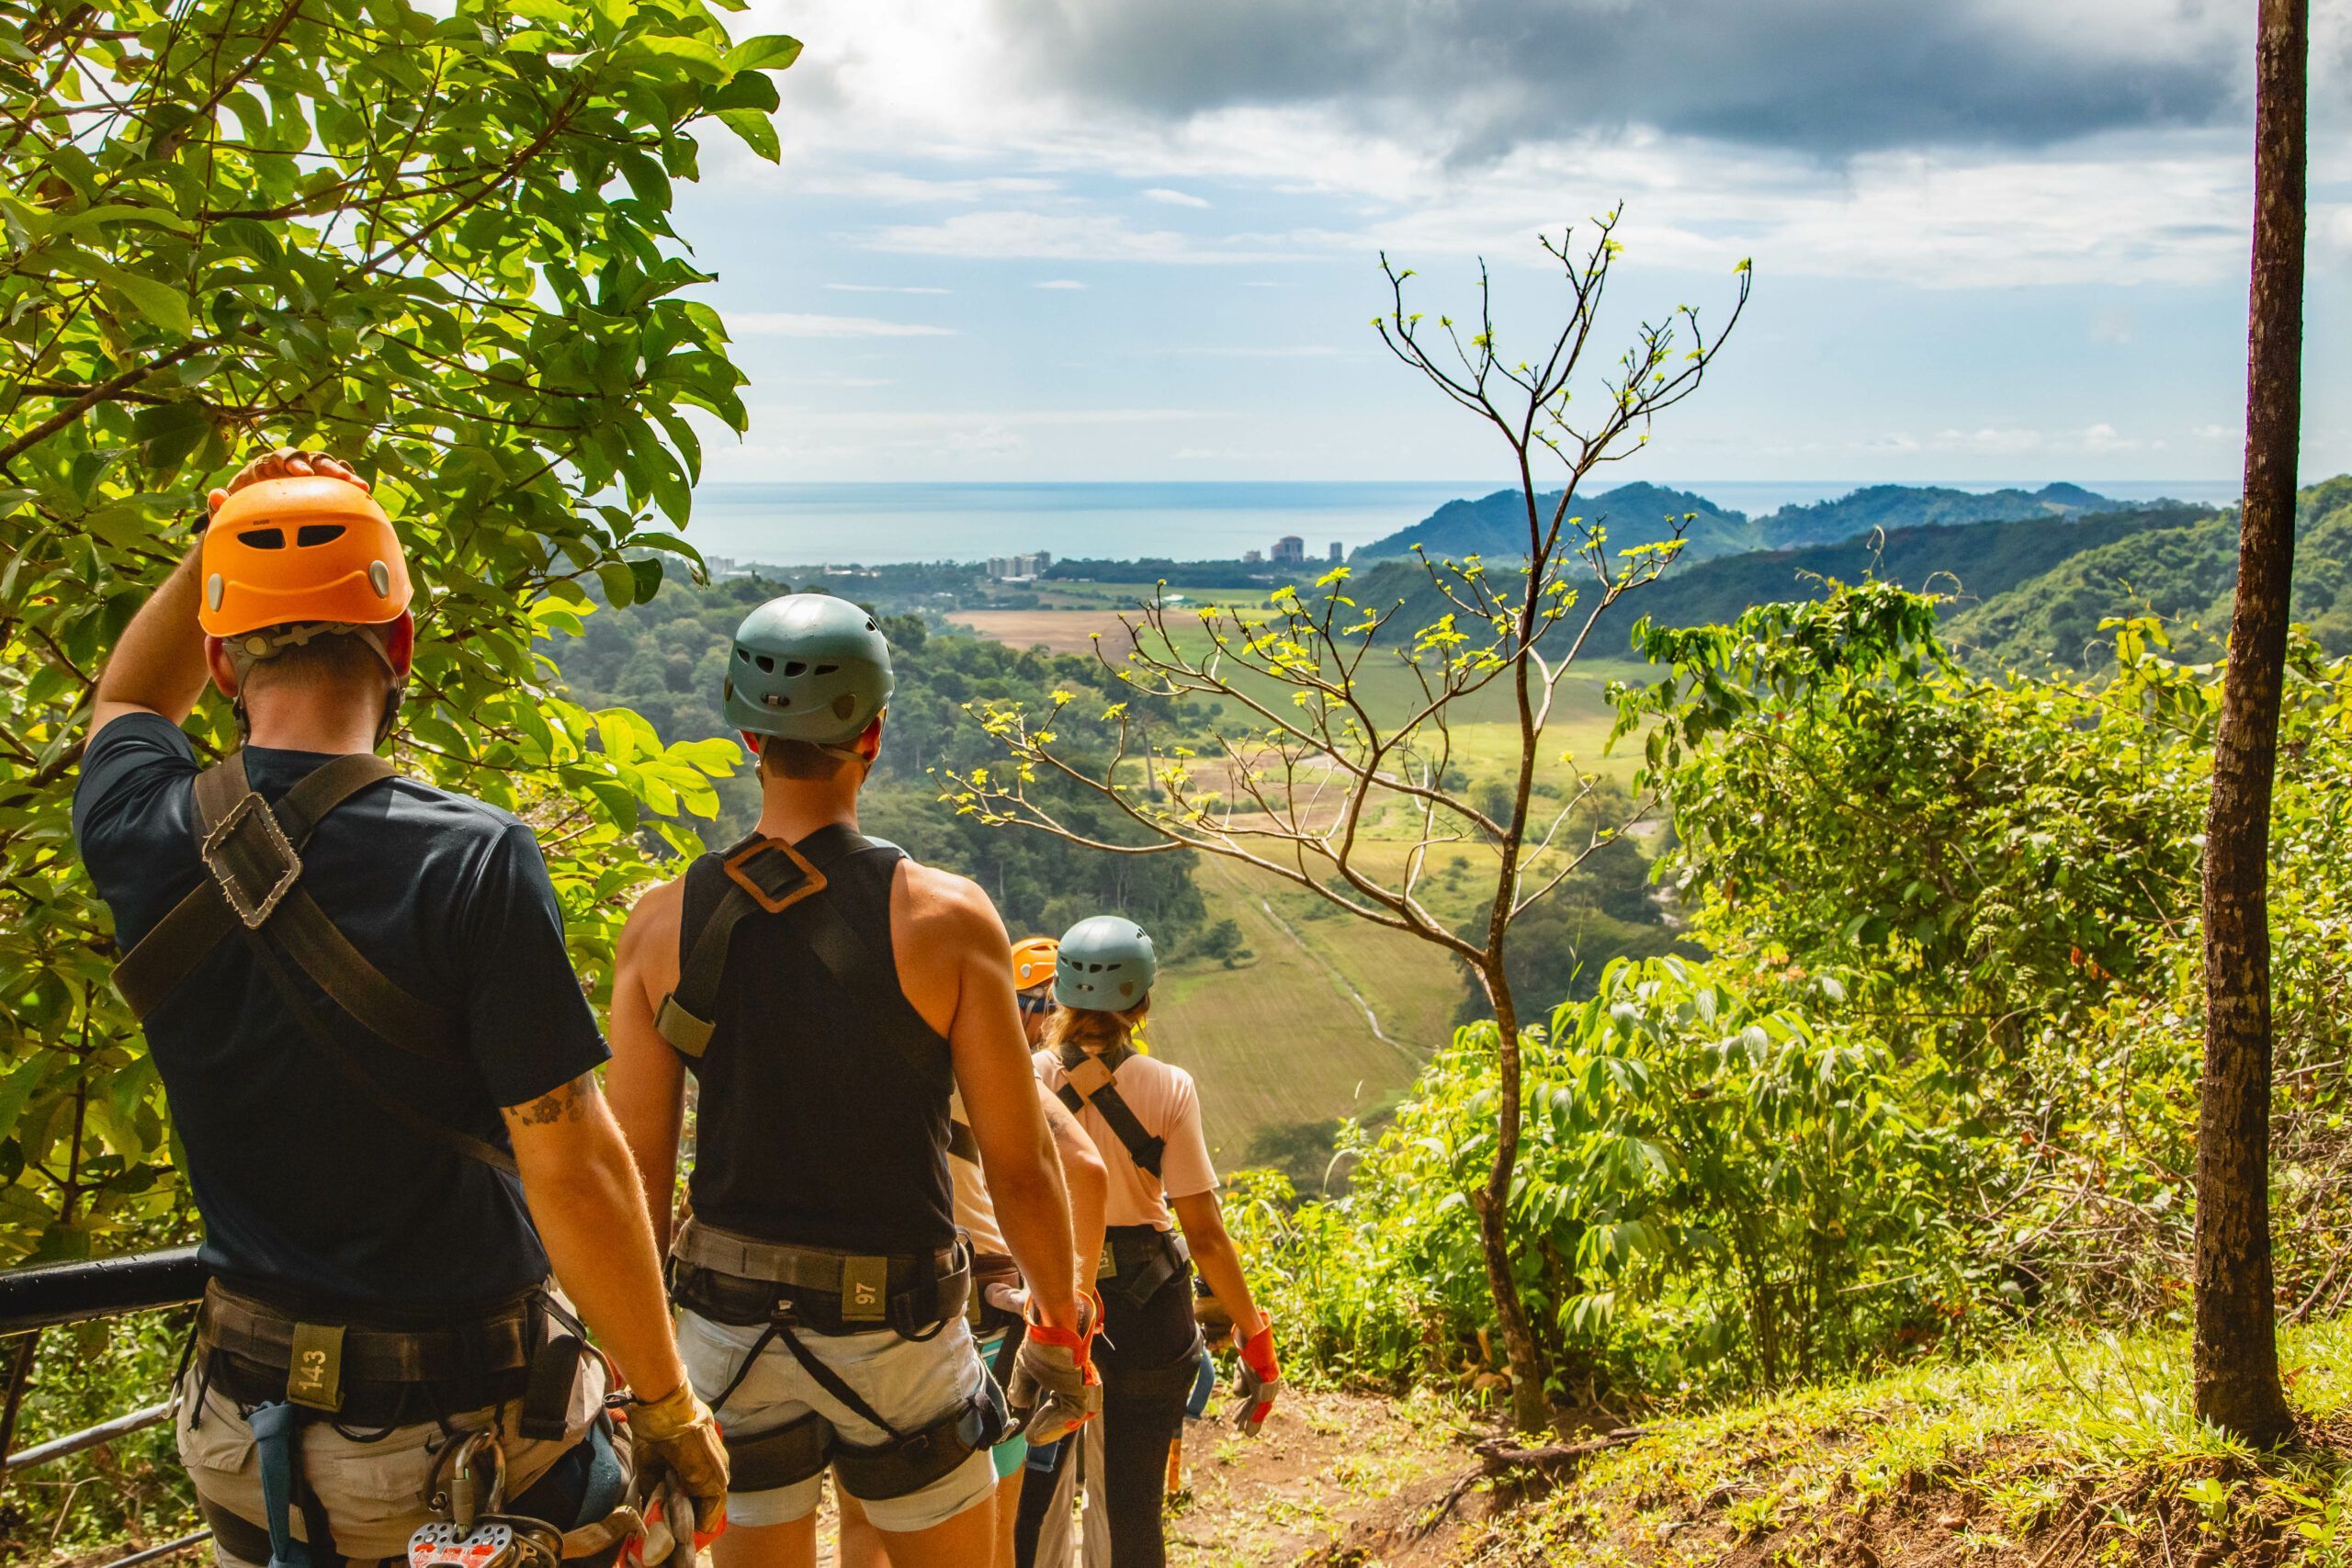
308, 1186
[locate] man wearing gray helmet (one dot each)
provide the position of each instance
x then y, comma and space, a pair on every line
829, 994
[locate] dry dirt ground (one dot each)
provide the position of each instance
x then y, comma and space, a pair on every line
1058, 631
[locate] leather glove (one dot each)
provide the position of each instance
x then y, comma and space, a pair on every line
1257, 1379
1055, 1388
678, 1432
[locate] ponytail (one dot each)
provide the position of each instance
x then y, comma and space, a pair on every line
1093, 1031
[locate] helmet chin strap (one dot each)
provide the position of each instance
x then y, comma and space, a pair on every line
257, 647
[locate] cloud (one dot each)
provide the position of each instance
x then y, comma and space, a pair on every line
886, 288
1003, 234
1825, 76
1057, 283
793, 323
2002, 441
1173, 198
2111, 326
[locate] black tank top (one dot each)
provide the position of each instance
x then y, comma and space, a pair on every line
821, 1117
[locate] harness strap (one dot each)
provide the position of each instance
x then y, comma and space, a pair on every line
196, 925
278, 1441
1089, 1082
781, 1456
340, 1056
961, 1144
499, 1342
1139, 1266
769, 876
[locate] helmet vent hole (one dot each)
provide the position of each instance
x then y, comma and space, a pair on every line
311, 534
743, 656
825, 668
796, 668
264, 538
764, 662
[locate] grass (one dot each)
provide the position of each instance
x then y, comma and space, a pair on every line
2075, 1452
1279, 1041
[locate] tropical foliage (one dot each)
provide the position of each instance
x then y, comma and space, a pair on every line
432, 239
1936, 1082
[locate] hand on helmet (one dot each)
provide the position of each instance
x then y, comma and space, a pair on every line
1055, 1388
283, 462
678, 1432
1257, 1379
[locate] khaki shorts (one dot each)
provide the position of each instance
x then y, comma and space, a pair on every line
909, 1383
374, 1493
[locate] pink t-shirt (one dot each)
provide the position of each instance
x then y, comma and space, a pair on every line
1164, 1100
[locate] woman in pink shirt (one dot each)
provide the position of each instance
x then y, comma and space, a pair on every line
1145, 1119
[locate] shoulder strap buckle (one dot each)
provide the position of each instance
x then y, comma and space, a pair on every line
251, 859
772, 891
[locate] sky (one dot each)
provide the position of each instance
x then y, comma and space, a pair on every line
1128, 240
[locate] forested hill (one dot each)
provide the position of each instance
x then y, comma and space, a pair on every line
2185, 571
1974, 561
1913, 506
1644, 513
2027, 595
1635, 514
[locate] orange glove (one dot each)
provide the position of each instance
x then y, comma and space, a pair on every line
1256, 1379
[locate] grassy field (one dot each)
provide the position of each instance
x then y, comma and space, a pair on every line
1285, 1039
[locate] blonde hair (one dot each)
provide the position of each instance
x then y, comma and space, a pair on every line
1093, 1031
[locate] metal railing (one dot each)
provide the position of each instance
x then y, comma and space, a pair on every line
51, 1296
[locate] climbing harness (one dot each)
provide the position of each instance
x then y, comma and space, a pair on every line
1088, 1081
770, 877
253, 891
289, 1373
788, 1290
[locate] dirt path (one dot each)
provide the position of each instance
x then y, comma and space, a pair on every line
1324, 1461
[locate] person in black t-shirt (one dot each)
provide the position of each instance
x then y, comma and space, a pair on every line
365, 1189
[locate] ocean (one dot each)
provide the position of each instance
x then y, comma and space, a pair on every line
869, 523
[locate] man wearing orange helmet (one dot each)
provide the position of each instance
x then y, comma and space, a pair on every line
380, 1067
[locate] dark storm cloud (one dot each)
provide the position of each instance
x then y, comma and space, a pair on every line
1823, 76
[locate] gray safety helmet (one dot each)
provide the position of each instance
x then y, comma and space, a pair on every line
1106, 965
808, 667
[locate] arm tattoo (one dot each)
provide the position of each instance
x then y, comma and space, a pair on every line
569, 1104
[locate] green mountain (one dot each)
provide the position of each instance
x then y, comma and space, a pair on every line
1974, 561
1634, 515
2186, 572
1912, 506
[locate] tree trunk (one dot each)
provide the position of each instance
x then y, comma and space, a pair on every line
2235, 1348
1531, 1411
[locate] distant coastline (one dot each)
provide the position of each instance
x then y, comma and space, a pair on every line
799, 524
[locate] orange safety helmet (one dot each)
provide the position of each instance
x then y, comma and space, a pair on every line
1032, 961
306, 549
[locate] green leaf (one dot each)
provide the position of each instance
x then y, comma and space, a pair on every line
756, 131
768, 51
160, 303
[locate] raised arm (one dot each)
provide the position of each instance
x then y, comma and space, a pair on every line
647, 1081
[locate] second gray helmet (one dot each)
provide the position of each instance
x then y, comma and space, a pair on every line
808, 667
1106, 965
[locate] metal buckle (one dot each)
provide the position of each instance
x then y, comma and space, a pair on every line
251, 813
811, 880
